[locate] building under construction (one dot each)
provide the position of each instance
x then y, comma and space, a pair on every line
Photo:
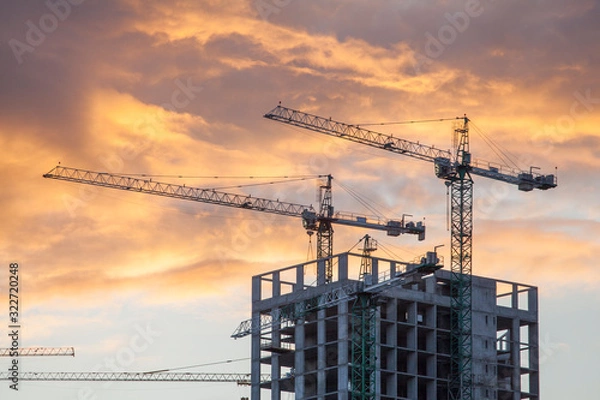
381, 329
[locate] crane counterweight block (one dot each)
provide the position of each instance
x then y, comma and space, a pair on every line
310, 220
395, 228
527, 182
443, 168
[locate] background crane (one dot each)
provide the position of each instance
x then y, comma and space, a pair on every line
38, 351
239, 378
320, 221
456, 169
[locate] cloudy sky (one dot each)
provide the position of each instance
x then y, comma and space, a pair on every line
138, 283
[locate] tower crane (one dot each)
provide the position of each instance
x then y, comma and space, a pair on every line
37, 351
239, 378
320, 221
456, 169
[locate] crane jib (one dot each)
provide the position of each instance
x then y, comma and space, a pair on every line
311, 219
177, 191
239, 378
356, 134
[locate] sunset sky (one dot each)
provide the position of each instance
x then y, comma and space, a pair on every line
137, 282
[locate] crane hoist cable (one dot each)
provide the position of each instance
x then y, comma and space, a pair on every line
356, 244
309, 252
361, 199
418, 121
500, 151
284, 179
261, 184
389, 248
178, 176
385, 248
197, 365
388, 251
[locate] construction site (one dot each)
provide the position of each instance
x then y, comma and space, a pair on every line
353, 325
300, 200
388, 335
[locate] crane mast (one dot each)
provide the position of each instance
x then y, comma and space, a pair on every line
457, 170
461, 245
320, 221
325, 230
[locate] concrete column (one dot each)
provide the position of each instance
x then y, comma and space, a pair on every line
255, 363
375, 269
299, 286
275, 376
411, 344
256, 289
515, 352
532, 299
255, 345
392, 341
275, 364
321, 354
343, 351
431, 284
320, 272
276, 287
343, 267
534, 358
299, 369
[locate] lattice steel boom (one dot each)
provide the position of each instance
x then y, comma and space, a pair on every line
319, 221
37, 351
240, 379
